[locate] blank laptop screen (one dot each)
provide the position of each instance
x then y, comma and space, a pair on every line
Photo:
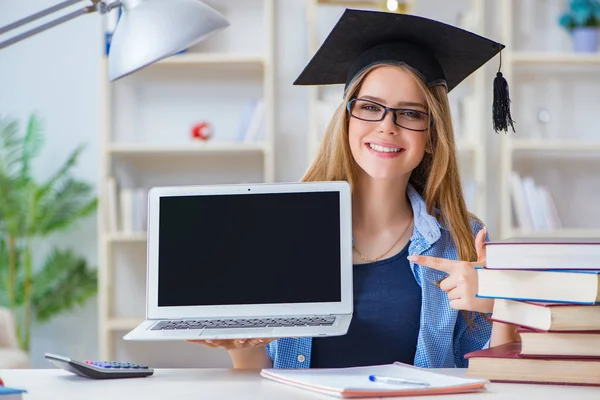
249, 249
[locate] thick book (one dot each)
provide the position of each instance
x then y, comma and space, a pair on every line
504, 363
581, 287
559, 344
355, 382
544, 253
547, 316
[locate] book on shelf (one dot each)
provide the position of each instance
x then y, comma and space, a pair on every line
251, 127
544, 253
127, 208
505, 363
568, 344
533, 205
541, 285
553, 317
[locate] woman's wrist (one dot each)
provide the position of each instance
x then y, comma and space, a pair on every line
252, 358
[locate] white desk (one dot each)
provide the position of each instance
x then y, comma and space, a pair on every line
225, 384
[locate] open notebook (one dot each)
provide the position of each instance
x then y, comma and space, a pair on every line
355, 382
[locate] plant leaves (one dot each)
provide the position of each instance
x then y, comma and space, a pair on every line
64, 282
32, 144
60, 174
70, 201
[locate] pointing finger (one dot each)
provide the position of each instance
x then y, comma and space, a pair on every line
441, 264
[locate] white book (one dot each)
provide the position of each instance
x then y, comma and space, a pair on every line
256, 122
112, 205
544, 253
141, 209
550, 211
534, 204
519, 200
126, 200
246, 118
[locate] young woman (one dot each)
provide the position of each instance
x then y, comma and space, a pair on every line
415, 244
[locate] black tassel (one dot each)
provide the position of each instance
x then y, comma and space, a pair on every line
501, 106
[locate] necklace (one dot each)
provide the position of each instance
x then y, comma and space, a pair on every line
388, 250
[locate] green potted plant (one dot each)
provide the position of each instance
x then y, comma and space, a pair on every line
582, 20
31, 211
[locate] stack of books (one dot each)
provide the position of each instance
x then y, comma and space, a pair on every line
550, 290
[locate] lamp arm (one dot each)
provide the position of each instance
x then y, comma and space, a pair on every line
97, 5
37, 15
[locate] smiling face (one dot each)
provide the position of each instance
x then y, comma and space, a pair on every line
382, 149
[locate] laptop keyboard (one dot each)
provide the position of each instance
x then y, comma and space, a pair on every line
243, 323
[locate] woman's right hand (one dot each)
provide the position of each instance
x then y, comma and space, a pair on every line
234, 344
245, 353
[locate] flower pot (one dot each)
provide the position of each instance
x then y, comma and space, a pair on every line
585, 40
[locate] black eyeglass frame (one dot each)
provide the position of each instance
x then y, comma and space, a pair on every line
385, 111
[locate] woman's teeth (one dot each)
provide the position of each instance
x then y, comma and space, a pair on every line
382, 149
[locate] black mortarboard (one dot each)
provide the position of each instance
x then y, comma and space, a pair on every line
439, 53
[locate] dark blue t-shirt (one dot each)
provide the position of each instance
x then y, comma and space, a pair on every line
385, 324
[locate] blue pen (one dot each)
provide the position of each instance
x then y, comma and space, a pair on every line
396, 381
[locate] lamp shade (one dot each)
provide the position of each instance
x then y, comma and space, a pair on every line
150, 30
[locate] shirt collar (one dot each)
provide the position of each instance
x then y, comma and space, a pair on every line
425, 224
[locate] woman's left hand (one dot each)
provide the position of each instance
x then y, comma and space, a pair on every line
461, 285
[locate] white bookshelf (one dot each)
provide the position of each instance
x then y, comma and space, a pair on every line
554, 103
146, 141
467, 101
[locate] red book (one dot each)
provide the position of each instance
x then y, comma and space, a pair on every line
504, 363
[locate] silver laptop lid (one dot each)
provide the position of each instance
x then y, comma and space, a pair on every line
249, 250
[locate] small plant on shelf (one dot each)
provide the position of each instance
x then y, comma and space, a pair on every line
582, 21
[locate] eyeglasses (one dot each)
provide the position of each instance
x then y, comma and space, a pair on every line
407, 118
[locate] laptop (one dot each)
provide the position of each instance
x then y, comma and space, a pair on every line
262, 260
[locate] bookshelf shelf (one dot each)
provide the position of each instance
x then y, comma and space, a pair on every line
199, 59
555, 58
571, 146
186, 149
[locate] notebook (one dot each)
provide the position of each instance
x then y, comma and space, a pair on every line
355, 382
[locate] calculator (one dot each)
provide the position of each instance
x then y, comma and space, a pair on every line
100, 369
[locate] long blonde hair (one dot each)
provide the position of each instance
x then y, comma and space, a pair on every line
436, 179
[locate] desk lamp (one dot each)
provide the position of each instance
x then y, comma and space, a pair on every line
147, 31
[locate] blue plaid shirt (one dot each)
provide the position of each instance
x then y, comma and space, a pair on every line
444, 337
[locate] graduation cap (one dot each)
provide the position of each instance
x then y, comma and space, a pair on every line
439, 53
